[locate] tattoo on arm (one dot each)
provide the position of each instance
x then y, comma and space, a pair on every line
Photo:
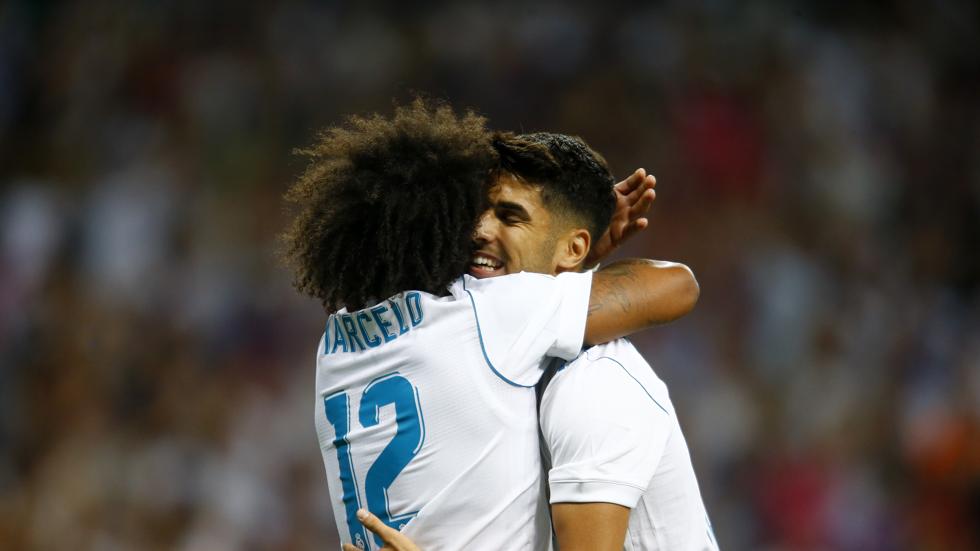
614, 286
633, 294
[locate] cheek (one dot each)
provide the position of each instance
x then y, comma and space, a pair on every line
547, 251
510, 239
528, 248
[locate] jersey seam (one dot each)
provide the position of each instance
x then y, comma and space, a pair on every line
597, 481
483, 348
647, 392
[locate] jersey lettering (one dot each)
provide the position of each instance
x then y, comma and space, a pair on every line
372, 327
338, 337
393, 389
337, 410
352, 333
402, 326
372, 341
414, 302
409, 437
382, 323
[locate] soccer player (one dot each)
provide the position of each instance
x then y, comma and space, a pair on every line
620, 472
425, 405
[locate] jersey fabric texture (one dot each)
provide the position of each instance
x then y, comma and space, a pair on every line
425, 409
612, 436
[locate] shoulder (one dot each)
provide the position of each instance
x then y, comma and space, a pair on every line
613, 372
604, 427
527, 294
528, 282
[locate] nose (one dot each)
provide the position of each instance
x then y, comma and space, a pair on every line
484, 228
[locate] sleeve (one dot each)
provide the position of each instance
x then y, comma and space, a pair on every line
605, 432
523, 318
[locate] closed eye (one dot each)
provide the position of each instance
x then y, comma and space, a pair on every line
511, 213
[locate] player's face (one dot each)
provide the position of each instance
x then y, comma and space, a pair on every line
515, 234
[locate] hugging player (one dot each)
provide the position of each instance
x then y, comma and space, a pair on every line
424, 398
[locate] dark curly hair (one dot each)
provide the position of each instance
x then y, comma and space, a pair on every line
389, 204
574, 179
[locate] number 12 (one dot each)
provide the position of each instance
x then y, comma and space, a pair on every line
409, 436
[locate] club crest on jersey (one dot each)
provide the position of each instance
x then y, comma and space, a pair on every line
372, 327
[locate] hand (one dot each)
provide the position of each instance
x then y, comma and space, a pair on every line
393, 539
634, 197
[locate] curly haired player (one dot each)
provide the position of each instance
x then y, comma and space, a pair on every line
389, 205
425, 402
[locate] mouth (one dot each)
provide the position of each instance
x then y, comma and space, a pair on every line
485, 265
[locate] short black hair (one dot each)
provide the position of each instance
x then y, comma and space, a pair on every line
574, 179
389, 204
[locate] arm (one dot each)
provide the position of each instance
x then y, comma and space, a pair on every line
605, 423
633, 294
590, 526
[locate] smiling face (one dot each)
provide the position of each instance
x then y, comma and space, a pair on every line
517, 233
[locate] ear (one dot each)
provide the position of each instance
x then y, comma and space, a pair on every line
572, 250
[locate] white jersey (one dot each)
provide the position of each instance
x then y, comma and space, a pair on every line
613, 437
425, 409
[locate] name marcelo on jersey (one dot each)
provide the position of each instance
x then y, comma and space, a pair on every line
372, 327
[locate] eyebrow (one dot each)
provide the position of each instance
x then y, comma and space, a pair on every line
513, 208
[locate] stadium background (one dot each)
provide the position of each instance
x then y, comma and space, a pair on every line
818, 167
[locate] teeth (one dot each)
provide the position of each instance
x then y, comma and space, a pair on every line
484, 261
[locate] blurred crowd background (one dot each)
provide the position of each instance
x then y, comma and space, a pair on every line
818, 167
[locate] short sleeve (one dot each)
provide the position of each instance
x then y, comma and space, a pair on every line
605, 431
524, 318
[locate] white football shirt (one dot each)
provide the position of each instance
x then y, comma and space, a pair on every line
425, 409
612, 435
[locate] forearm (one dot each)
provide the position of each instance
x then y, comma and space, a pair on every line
590, 526
633, 294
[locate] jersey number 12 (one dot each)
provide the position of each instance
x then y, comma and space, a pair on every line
389, 389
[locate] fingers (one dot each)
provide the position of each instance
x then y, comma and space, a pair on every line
393, 539
647, 183
349, 547
374, 524
642, 204
635, 197
635, 227
631, 182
